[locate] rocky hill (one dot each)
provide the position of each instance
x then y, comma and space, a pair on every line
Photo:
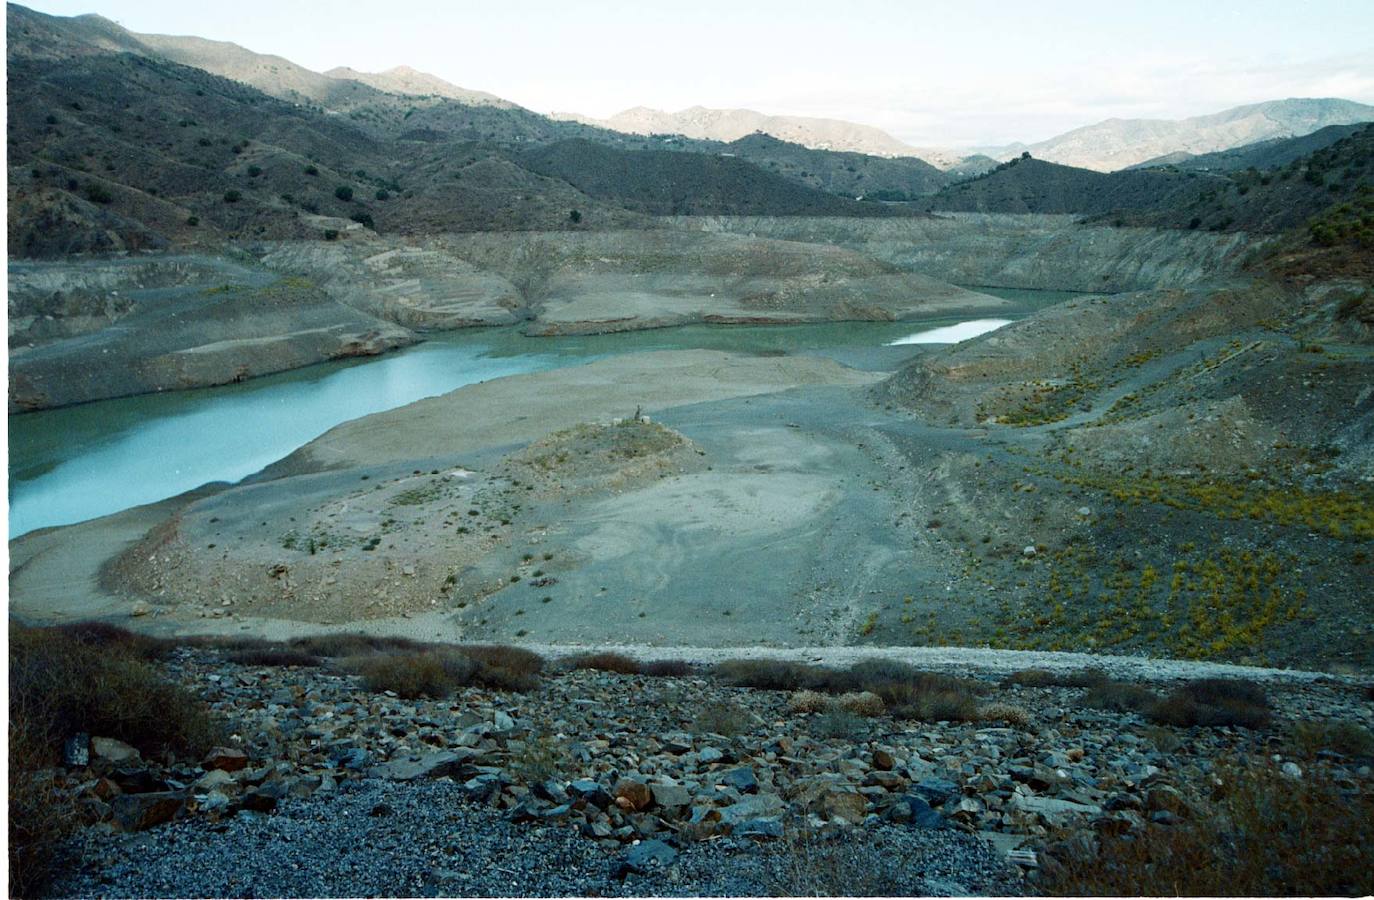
843, 173
660, 182
115, 147
1119, 143
1332, 189
405, 80
1028, 185
732, 124
1260, 155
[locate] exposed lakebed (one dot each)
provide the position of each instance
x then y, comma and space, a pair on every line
70, 465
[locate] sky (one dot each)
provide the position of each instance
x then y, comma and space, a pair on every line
968, 73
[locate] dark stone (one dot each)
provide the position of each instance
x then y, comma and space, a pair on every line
264, 797
138, 781
742, 780
917, 813
759, 828
593, 793
549, 790
935, 791
643, 858
135, 812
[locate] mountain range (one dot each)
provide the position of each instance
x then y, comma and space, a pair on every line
122, 141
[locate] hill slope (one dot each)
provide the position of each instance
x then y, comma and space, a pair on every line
1334, 184
1027, 185
1260, 155
662, 182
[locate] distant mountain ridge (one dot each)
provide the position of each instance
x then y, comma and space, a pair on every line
1121, 143
408, 81
728, 125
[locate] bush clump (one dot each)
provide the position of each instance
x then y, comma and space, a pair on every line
437, 671
1213, 702
1119, 696
89, 678
432, 674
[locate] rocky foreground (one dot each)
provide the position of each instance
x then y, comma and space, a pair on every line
597, 783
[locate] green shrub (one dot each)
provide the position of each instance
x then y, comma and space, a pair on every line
98, 193
232, 196
344, 192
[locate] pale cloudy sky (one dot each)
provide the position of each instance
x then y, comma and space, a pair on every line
947, 73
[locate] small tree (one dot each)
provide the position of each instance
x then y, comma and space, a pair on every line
344, 192
232, 196
574, 217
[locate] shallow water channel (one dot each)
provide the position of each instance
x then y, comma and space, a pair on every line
69, 465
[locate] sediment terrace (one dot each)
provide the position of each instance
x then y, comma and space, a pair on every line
83, 330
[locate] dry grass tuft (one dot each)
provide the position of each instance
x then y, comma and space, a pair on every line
807, 702
1010, 713
861, 703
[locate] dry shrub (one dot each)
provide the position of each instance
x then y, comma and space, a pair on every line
1345, 738
41, 817
724, 719
64, 681
861, 703
516, 660
807, 702
273, 656
667, 668
113, 637
772, 674
1213, 702
1118, 696
1010, 713
839, 723
412, 675
1261, 834
60, 686
438, 672
1080, 678
337, 646
905, 691
605, 662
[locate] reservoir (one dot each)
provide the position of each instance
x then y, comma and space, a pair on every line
77, 463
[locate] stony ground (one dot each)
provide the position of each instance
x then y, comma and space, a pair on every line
604, 784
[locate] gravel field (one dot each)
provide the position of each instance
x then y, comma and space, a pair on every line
379, 838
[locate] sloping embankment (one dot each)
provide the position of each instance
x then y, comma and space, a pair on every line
1033, 252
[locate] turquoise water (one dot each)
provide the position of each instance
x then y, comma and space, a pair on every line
69, 465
